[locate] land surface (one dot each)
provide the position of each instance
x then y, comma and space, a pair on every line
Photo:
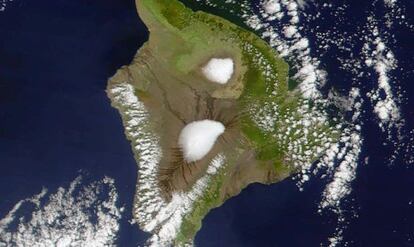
262, 115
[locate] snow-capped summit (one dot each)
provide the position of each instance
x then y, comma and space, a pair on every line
197, 138
219, 70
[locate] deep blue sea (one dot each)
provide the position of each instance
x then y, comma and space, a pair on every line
56, 119
56, 122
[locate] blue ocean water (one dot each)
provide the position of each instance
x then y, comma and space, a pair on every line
380, 208
55, 58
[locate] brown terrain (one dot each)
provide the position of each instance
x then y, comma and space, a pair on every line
176, 100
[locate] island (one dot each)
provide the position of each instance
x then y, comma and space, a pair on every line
209, 108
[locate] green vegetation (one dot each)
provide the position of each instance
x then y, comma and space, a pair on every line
210, 199
204, 35
184, 40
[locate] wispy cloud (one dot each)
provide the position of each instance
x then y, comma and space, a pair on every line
79, 215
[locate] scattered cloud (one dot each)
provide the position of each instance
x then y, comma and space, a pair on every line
79, 215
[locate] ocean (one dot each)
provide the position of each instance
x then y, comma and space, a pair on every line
56, 120
57, 123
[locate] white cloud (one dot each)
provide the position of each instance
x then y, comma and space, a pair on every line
381, 59
74, 216
3, 4
390, 2
271, 7
169, 219
151, 211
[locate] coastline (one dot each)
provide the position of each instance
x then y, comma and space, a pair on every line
260, 151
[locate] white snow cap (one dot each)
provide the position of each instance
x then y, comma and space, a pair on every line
197, 138
219, 70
